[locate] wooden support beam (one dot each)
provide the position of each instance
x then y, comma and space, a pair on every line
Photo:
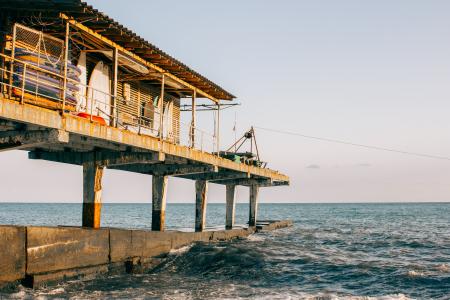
161, 109
92, 191
115, 72
66, 58
253, 211
201, 191
193, 120
20, 139
167, 169
104, 158
230, 206
159, 192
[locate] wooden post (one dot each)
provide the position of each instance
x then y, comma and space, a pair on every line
231, 205
218, 129
140, 108
114, 111
159, 192
254, 189
6, 24
66, 58
92, 191
24, 74
194, 121
161, 109
201, 191
11, 67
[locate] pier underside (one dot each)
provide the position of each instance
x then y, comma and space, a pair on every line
64, 138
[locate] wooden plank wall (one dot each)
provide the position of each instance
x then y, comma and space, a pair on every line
143, 93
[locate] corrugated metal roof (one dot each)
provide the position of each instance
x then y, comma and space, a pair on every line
118, 33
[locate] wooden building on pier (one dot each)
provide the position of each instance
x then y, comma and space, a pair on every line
77, 87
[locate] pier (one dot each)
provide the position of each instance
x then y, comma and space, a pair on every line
49, 108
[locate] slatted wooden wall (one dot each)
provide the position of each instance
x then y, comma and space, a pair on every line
142, 93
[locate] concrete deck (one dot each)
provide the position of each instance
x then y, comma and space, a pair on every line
67, 139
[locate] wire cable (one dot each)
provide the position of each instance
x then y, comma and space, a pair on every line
352, 144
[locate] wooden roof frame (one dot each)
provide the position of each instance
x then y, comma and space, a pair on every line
139, 59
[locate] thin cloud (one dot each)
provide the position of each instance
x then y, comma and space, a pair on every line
364, 165
313, 167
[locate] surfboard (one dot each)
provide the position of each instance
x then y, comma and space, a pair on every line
45, 91
167, 120
156, 114
99, 92
43, 78
46, 62
82, 101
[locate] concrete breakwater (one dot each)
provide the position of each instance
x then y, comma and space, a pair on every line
37, 255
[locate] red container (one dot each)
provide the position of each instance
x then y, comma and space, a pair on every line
96, 119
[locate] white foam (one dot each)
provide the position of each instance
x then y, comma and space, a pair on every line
327, 296
181, 250
414, 273
256, 238
19, 295
56, 291
443, 268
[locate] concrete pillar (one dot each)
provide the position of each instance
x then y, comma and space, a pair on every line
92, 194
201, 191
230, 203
254, 189
159, 192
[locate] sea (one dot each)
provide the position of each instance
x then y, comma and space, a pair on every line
333, 251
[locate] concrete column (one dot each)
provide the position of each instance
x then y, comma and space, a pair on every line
254, 189
92, 194
159, 192
229, 219
201, 191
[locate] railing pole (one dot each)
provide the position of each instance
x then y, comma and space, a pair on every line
117, 116
115, 73
66, 58
161, 108
139, 119
11, 68
92, 104
201, 147
218, 129
24, 72
193, 122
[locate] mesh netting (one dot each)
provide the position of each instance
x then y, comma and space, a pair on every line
47, 50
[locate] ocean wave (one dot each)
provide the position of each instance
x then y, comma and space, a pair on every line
181, 250
332, 253
256, 238
234, 260
444, 268
414, 273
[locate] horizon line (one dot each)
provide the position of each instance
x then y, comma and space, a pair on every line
351, 202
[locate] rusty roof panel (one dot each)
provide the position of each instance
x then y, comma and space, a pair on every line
118, 33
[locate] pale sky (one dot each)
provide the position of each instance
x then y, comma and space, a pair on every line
369, 72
